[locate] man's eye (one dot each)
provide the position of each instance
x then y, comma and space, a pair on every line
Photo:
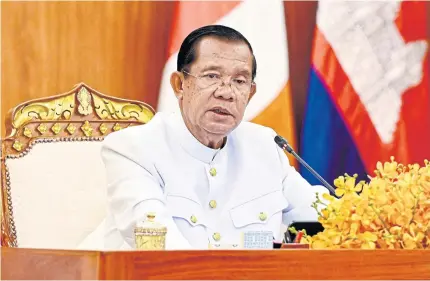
240, 81
211, 76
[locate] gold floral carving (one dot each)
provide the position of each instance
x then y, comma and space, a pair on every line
60, 108
56, 128
103, 129
107, 109
84, 98
42, 128
86, 101
87, 129
27, 132
71, 129
17, 145
117, 127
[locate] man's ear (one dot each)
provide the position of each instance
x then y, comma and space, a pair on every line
253, 91
176, 81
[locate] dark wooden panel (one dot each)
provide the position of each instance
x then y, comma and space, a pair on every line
118, 48
35, 264
301, 20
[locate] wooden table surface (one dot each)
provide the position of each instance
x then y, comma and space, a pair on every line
218, 264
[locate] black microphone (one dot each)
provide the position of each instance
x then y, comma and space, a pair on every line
282, 143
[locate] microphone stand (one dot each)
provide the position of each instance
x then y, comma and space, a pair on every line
282, 143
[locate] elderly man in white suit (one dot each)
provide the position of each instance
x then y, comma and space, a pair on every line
207, 175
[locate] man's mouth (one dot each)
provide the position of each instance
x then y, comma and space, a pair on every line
220, 111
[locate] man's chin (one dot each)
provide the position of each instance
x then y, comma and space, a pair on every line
219, 129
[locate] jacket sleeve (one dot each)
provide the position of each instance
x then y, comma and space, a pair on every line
132, 191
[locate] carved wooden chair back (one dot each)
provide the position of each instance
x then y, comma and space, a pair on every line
53, 179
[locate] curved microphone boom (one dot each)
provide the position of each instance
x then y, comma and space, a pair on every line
282, 143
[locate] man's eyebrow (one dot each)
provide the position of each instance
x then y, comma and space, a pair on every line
223, 57
211, 67
245, 72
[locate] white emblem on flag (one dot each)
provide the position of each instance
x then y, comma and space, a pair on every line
374, 55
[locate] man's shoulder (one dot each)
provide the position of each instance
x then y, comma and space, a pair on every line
256, 143
254, 131
140, 135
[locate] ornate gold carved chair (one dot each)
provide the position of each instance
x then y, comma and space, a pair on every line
53, 179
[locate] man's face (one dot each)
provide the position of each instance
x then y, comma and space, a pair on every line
215, 102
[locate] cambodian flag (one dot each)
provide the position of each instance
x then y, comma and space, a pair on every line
369, 93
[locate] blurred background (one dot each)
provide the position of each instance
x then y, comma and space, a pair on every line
347, 83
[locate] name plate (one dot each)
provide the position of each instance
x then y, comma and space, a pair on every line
249, 240
258, 240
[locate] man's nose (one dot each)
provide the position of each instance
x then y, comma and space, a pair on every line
225, 91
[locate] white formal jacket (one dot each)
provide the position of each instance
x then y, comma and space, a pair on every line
160, 167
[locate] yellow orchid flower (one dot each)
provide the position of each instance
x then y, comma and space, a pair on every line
391, 211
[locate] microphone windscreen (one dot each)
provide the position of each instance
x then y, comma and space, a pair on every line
280, 141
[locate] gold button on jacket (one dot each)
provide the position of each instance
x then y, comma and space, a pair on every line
212, 171
212, 204
216, 236
262, 216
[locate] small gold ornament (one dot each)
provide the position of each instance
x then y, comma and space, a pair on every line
17, 145
56, 128
71, 129
150, 235
103, 129
42, 128
87, 129
27, 132
117, 127
84, 98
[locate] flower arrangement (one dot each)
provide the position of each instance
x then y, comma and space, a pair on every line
391, 211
